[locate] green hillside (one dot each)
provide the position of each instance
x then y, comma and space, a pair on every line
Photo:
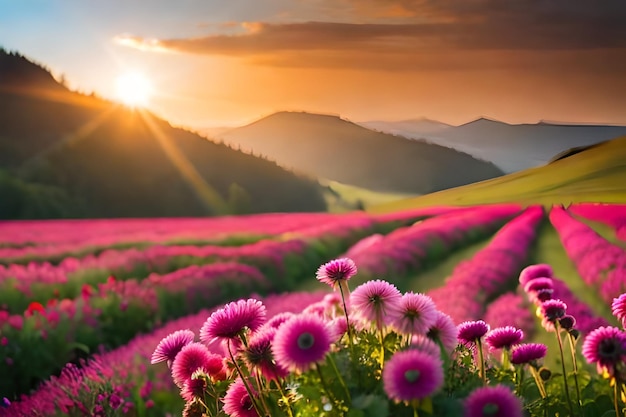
596, 174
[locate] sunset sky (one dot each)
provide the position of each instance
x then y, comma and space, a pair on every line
221, 63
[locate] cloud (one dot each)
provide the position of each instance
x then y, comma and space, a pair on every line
424, 32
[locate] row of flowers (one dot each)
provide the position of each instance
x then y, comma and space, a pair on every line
613, 215
286, 259
409, 249
493, 270
71, 327
63, 238
600, 263
121, 382
109, 316
56, 240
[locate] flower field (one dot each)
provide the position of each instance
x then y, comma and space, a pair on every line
477, 304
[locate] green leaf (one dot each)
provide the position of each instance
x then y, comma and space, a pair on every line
372, 405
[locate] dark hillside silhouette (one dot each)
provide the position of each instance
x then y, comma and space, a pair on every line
102, 159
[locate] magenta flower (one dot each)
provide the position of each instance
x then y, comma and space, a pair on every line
170, 345
234, 318
259, 354
301, 342
416, 314
472, 331
425, 344
538, 286
494, 401
567, 322
412, 375
193, 388
277, 320
375, 302
606, 347
535, 271
192, 357
504, 337
444, 331
618, 308
336, 271
237, 402
528, 353
551, 311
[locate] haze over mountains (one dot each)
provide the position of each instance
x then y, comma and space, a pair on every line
596, 173
329, 147
511, 147
64, 154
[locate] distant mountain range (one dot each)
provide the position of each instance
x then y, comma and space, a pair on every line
511, 147
64, 154
335, 149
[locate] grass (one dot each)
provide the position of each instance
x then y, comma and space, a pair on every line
343, 197
597, 174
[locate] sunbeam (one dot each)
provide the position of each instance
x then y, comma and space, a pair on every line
203, 190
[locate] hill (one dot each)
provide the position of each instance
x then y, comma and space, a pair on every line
510, 147
597, 173
64, 154
332, 148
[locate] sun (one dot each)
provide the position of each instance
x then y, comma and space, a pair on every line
133, 89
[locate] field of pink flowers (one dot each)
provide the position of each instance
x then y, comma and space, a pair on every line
84, 303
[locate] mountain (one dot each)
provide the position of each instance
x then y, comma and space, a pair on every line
334, 149
64, 154
510, 147
596, 173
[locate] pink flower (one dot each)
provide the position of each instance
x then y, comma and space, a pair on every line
301, 342
606, 347
168, 348
237, 401
444, 331
535, 271
494, 401
416, 314
425, 344
375, 302
528, 353
259, 354
192, 357
471, 332
504, 337
412, 375
234, 318
336, 271
618, 308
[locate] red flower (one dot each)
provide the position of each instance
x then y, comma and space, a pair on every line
35, 306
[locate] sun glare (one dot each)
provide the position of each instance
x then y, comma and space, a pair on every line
133, 89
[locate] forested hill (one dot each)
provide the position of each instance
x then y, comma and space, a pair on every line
65, 154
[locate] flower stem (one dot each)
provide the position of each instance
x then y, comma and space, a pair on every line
245, 382
323, 381
557, 330
539, 382
341, 381
345, 309
615, 403
572, 346
481, 358
382, 349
